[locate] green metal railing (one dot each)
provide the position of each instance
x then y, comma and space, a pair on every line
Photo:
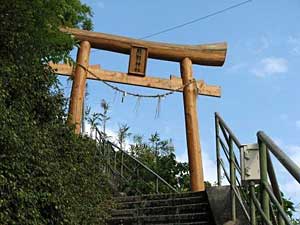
131, 175
269, 204
270, 195
228, 144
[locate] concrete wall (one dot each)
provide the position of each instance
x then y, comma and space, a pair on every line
220, 204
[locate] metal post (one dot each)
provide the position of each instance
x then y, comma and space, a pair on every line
265, 199
218, 150
115, 161
108, 160
232, 179
122, 163
280, 219
252, 206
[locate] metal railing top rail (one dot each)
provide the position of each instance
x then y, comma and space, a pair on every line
222, 122
136, 160
291, 166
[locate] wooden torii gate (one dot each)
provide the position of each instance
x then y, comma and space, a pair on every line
139, 51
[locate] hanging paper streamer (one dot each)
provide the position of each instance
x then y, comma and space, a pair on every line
123, 96
137, 104
158, 108
130, 93
139, 96
115, 96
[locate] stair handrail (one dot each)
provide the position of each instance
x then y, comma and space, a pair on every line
286, 161
230, 139
270, 194
267, 146
222, 122
100, 137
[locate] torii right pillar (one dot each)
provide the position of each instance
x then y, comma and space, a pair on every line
191, 123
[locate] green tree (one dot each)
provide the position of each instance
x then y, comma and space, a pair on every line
123, 134
159, 155
183, 176
94, 121
104, 117
48, 175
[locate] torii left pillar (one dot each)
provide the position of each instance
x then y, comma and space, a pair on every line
78, 86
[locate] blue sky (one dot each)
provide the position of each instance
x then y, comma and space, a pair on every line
259, 79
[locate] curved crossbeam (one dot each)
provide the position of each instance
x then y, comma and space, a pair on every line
208, 54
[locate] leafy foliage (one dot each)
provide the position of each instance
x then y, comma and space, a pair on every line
159, 155
104, 115
123, 134
47, 174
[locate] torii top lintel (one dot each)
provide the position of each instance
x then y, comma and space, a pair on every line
207, 54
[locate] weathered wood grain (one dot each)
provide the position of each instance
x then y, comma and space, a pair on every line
172, 84
78, 86
192, 128
207, 54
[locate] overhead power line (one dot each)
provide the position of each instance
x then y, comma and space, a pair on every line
195, 20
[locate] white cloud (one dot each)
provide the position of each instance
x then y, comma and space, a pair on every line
288, 185
293, 149
183, 157
298, 123
209, 166
294, 153
264, 43
95, 3
291, 191
236, 67
295, 45
278, 141
271, 66
258, 45
111, 135
100, 4
284, 116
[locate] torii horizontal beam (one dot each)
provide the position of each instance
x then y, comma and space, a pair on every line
172, 84
208, 54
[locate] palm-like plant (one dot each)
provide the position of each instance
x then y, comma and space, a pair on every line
123, 134
93, 120
104, 115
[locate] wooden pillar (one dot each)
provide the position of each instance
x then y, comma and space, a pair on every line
191, 123
78, 86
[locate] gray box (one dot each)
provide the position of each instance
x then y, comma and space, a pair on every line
250, 163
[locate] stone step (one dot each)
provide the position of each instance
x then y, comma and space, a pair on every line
190, 223
159, 196
162, 219
174, 209
160, 202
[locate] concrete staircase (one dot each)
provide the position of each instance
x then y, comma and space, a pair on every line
183, 208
